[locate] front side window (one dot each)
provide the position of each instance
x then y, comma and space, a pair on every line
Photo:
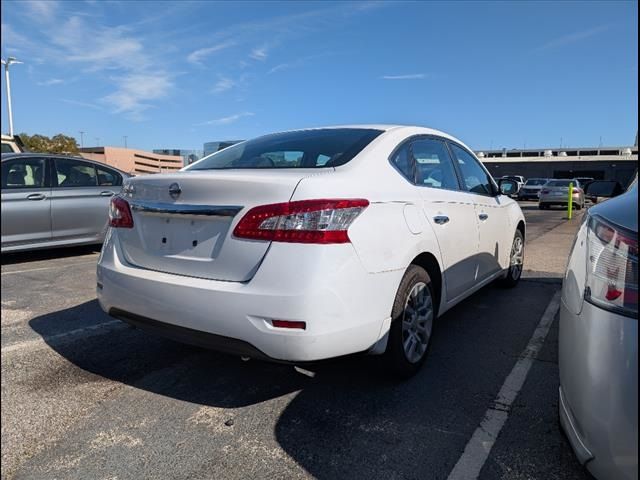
475, 178
23, 173
321, 148
433, 165
74, 173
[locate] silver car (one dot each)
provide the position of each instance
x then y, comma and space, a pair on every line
531, 189
54, 201
556, 192
598, 343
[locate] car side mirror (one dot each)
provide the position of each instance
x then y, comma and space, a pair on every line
603, 189
507, 187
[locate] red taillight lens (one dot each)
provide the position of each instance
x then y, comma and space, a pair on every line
577, 190
305, 221
612, 268
120, 213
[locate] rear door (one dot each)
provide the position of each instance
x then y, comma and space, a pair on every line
26, 201
450, 211
490, 210
79, 205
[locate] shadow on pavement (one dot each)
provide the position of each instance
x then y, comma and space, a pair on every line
351, 420
48, 254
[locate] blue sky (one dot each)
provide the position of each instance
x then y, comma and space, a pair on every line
177, 74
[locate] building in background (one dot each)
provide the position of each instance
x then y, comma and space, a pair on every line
213, 147
133, 161
601, 163
188, 156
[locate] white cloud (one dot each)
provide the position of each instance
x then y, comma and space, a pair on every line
198, 55
260, 53
134, 90
50, 82
223, 85
81, 104
225, 120
573, 37
40, 10
411, 76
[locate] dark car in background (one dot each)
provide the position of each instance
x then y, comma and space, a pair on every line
55, 200
531, 189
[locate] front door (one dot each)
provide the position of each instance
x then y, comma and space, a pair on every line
26, 201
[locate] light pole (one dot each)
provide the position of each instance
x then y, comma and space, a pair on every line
6, 63
125, 141
81, 139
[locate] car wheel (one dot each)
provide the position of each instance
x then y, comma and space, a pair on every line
516, 262
413, 313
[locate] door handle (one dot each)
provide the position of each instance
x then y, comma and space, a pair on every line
106, 194
483, 216
441, 219
36, 196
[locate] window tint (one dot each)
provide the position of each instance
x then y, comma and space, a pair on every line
108, 177
536, 181
561, 183
403, 162
475, 178
73, 173
6, 148
433, 164
23, 173
301, 149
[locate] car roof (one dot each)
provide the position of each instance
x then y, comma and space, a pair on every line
9, 156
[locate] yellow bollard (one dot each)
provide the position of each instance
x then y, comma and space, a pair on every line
570, 204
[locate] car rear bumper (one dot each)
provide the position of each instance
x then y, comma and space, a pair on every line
325, 286
598, 361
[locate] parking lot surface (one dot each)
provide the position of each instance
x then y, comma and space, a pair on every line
85, 396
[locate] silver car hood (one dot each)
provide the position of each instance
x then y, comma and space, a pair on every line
622, 210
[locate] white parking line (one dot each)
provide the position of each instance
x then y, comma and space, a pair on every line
48, 268
61, 338
478, 448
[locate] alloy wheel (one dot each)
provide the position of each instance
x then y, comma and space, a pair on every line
417, 322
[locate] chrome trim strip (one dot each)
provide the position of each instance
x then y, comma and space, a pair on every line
184, 209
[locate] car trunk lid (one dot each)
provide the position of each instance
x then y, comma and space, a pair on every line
183, 222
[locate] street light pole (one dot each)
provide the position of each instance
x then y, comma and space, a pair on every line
6, 63
125, 141
81, 139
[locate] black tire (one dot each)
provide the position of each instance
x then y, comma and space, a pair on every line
514, 273
397, 359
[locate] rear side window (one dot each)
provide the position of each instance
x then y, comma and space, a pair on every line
322, 148
433, 165
108, 177
6, 148
23, 173
73, 173
475, 178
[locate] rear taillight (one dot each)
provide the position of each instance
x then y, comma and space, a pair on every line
120, 213
305, 221
577, 190
612, 268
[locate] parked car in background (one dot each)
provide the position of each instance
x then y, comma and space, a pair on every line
271, 248
531, 189
54, 201
598, 340
598, 190
556, 192
12, 144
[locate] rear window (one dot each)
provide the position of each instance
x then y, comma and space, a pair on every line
536, 181
560, 183
323, 148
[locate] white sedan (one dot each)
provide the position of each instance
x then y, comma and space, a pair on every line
311, 244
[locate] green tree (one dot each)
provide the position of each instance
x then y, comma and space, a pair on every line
57, 144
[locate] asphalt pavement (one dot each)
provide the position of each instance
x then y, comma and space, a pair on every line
85, 396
